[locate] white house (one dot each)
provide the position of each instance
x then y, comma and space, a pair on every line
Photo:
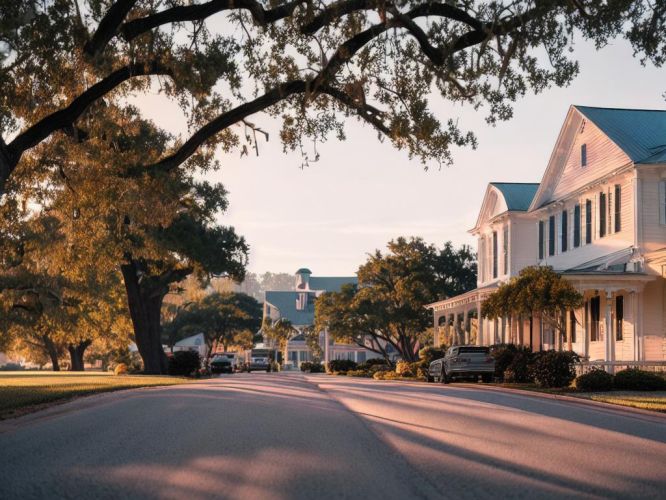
297, 306
598, 217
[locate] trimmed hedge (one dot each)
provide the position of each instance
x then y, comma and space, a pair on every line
633, 379
341, 365
505, 355
554, 368
595, 380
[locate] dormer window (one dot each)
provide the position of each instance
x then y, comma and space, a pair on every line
583, 155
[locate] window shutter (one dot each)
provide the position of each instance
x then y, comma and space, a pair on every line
662, 202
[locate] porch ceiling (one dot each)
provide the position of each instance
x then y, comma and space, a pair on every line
609, 281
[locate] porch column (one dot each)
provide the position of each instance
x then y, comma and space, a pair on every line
465, 331
610, 341
327, 355
479, 325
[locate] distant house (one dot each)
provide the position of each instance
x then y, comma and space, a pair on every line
298, 306
598, 217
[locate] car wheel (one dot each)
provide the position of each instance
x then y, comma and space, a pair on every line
486, 378
430, 379
444, 378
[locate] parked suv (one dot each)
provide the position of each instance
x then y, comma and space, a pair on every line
259, 363
465, 361
221, 364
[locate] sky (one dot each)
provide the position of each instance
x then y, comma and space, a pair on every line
362, 193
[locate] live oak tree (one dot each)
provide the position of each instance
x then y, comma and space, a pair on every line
537, 291
387, 306
228, 319
312, 64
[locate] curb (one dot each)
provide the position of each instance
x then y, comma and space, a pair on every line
659, 416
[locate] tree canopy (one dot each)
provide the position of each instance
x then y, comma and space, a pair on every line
387, 308
226, 319
310, 64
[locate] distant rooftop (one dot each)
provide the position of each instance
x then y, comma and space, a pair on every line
640, 133
518, 195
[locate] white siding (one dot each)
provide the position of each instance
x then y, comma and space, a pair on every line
603, 157
653, 231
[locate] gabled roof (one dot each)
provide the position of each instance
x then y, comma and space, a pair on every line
640, 133
517, 195
286, 303
330, 284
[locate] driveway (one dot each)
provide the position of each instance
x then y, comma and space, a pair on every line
283, 436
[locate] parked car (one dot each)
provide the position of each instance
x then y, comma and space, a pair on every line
259, 363
221, 364
463, 362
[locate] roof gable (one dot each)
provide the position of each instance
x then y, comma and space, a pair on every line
504, 197
640, 133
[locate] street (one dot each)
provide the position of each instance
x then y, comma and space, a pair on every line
284, 436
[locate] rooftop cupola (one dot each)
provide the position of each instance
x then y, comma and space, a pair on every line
303, 278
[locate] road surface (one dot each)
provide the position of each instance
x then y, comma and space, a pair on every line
284, 436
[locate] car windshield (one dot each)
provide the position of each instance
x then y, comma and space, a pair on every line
220, 358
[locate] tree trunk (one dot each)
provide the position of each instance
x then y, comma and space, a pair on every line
76, 352
145, 305
52, 351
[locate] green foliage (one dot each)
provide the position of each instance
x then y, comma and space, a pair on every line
390, 375
520, 369
634, 379
554, 368
359, 373
537, 290
504, 355
341, 365
387, 306
594, 380
184, 363
312, 367
405, 369
229, 319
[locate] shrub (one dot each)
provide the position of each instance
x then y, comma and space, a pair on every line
404, 369
519, 370
312, 367
184, 363
376, 361
554, 368
634, 379
274, 366
595, 380
120, 369
504, 355
430, 353
359, 373
380, 368
341, 365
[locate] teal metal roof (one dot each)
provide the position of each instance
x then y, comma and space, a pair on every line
303, 270
518, 195
331, 284
285, 302
640, 133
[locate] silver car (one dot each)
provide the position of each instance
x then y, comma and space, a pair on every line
464, 361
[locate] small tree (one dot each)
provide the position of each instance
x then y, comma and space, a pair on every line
536, 291
280, 332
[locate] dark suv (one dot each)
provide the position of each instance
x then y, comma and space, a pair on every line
465, 361
221, 364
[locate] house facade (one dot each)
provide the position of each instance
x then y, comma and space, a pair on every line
598, 217
297, 306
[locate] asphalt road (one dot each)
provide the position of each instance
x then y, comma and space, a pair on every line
284, 436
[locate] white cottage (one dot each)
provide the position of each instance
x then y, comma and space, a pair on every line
598, 217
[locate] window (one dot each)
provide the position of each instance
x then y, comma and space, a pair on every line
576, 231
564, 230
541, 235
583, 155
505, 248
360, 357
595, 309
572, 325
494, 254
618, 208
619, 316
588, 222
551, 235
602, 214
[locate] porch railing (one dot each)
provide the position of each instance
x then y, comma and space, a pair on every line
615, 366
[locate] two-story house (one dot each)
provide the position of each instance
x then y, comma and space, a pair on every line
598, 217
298, 306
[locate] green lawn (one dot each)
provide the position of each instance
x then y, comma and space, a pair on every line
21, 392
655, 401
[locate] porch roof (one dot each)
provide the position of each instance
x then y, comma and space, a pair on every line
608, 280
471, 297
